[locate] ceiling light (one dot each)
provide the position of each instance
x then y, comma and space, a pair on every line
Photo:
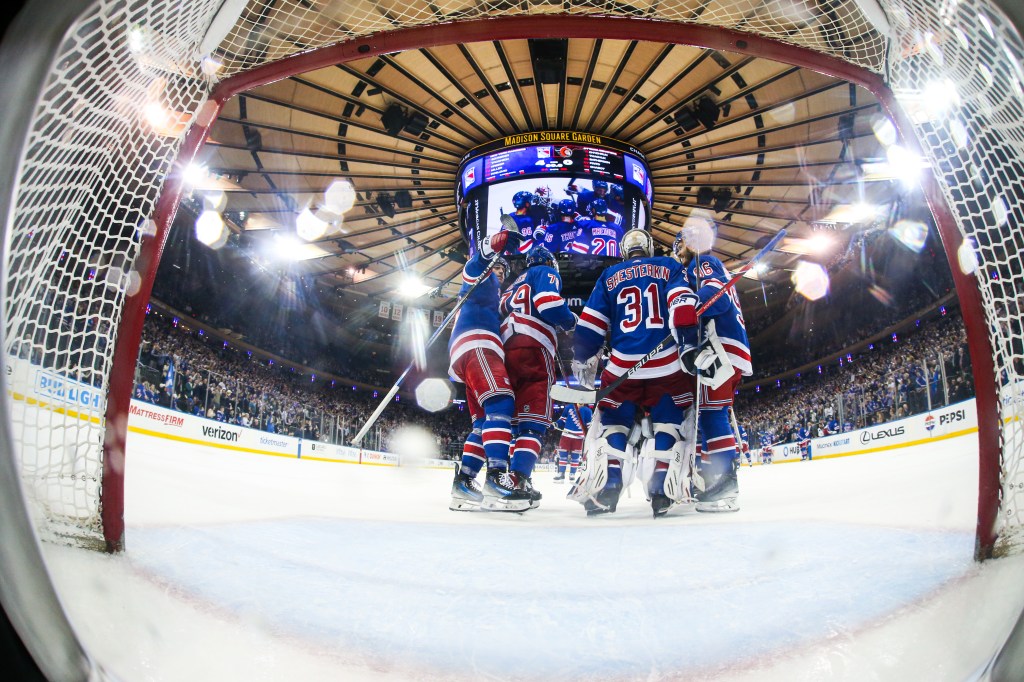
412, 286
194, 173
810, 280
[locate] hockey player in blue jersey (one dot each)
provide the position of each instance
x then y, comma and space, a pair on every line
616, 200
477, 360
803, 436
534, 311
598, 234
629, 306
745, 444
716, 346
583, 198
767, 446
529, 227
573, 424
563, 230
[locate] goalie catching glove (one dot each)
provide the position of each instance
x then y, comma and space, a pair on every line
586, 371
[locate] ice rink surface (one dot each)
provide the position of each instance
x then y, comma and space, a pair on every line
247, 567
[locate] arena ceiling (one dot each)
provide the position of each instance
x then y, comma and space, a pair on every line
790, 148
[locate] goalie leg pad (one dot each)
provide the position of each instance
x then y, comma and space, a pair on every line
593, 472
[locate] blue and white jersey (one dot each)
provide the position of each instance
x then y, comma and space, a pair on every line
744, 439
560, 235
532, 231
726, 313
597, 238
767, 440
803, 434
832, 427
477, 325
533, 307
575, 424
629, 306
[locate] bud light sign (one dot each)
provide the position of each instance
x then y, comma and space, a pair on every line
67, 391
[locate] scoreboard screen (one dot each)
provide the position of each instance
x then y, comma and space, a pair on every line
532, 175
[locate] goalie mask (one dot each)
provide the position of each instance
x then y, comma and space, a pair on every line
636, 243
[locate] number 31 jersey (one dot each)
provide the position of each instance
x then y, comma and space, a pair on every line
630, 305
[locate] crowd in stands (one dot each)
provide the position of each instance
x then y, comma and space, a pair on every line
889, 381
189, 371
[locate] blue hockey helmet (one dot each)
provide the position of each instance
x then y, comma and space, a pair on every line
566, 207
598, 207
539, 255
521, 199
600, 184
617, 192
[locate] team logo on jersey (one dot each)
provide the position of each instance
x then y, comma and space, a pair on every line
929, 423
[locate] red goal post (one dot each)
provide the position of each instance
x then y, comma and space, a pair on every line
98, 183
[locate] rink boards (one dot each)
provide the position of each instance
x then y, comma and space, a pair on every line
955, 420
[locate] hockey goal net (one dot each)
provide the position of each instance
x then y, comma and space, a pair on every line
131, 88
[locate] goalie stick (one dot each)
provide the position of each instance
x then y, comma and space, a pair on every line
507, 222
564, 394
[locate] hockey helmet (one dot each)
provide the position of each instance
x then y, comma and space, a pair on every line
600, 184
566, 207
539, 255
616, 192
636, 241
521, 199
598, 207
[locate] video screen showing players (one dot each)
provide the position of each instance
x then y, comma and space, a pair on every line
566, 215
572, 192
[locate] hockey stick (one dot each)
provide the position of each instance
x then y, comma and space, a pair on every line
509, 224
572, 395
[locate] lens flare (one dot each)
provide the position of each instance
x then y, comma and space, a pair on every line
810, 280
911, 233
434, 394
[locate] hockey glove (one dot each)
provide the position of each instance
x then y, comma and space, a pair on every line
697, 361
684, 311
585, 372
506, 241
571, 325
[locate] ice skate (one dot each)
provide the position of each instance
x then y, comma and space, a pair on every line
722, 495
525, 483
500, 493
560, 478
605, 501
660, 504
466, 493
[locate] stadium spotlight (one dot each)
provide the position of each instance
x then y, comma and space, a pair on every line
905, 165
194, 173
412, 286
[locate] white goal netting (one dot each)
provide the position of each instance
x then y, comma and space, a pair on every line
130, 77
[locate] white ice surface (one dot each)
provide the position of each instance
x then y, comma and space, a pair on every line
243, 567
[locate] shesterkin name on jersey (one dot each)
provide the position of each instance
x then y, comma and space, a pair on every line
638, 271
